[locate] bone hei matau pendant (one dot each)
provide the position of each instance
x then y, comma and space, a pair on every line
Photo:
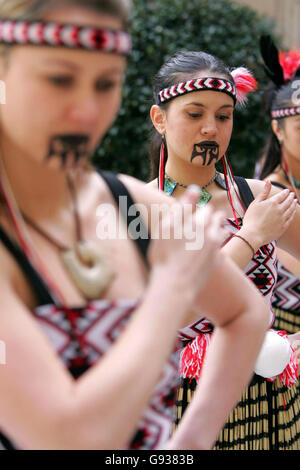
90, 280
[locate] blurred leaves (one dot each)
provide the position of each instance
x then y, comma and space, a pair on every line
160, 28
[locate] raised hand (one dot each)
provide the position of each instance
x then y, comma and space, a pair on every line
267, 218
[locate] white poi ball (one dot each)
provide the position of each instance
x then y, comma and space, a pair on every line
274, 355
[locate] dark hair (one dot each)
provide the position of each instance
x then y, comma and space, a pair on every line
274, 98
181, 66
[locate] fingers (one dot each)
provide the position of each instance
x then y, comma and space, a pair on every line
290, 209
281, 196
191, 195
217, 230
288, 201
264, 194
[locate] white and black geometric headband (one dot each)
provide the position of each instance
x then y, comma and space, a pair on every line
206, 83
64, 35
285, 112
244, 82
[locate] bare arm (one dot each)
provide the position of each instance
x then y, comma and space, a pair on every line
241, 317
271, 216
42, 407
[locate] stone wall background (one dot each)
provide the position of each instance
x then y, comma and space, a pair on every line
286, 14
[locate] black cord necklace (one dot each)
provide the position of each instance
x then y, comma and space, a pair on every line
86, 262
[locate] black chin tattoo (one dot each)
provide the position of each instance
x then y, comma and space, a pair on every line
69, 146
207, 150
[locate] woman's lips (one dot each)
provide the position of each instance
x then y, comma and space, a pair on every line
204, 149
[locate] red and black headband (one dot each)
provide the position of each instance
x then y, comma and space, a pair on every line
285, 112
207, 83
282, 68
41, 33
243, 83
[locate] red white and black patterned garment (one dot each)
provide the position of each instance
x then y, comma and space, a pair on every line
287, 290
262, 272
286, 297
268, 415
82, 336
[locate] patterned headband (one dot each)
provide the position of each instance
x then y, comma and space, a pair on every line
285, 112
206, 83
64, 35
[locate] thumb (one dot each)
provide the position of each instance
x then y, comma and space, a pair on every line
191, 195
265, 192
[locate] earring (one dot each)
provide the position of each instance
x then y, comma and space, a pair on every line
163, 156
234, 199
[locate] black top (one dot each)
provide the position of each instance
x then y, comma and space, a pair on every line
245, 190
279, 185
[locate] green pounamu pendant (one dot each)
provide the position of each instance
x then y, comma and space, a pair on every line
204, 198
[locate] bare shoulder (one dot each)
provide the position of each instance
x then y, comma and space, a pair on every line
13, 281
153, 184
257, 186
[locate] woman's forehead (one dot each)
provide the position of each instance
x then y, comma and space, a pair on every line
78, 15
205, 98
48, 58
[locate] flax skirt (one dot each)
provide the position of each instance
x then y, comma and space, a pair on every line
286, 320
268, 415
266, 418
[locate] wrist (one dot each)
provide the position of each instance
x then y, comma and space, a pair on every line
251, 237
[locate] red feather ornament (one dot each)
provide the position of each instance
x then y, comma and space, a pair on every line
290, 62
245, 82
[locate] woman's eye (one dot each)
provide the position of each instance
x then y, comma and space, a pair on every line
223, 118
62, 81
105, 85
194, 115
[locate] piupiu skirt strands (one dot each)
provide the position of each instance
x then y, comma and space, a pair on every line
266, 418
286, 320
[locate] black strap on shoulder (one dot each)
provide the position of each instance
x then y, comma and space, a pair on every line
128, 211
279, 185
245, 190
30, 273
6, 443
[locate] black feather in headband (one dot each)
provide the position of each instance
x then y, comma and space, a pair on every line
270, 55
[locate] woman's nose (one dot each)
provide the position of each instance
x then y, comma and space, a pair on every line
84, 110
209, 128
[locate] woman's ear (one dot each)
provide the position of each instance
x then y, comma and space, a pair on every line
278, 131
158, 117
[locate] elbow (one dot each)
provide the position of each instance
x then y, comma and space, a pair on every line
78, 427
73, 431
66, 428
261, 315
253, 317
256, 318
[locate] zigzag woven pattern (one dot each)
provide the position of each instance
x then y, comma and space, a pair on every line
285, 112
66, 35
206, 83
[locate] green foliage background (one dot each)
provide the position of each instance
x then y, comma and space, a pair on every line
161, 27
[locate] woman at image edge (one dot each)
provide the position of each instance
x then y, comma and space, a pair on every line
89, 363
195, 97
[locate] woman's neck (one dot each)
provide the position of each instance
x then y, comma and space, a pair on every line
294, 166
187, 173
